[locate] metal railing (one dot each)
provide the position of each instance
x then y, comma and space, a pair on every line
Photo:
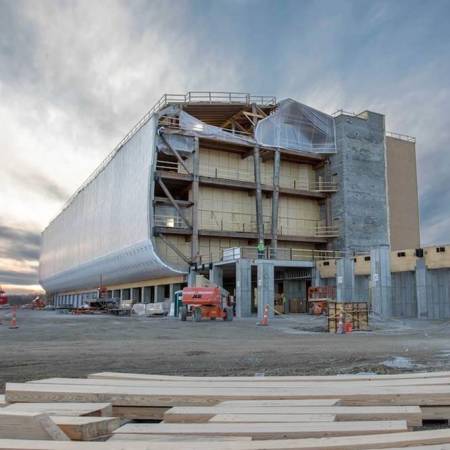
288, 254
403, 137
169, 221
246, 223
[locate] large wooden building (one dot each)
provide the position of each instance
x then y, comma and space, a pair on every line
223, 183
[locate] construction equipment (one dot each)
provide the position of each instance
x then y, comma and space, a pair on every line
205, 302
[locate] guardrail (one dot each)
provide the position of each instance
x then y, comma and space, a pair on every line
288, 254
403, 137
169, 221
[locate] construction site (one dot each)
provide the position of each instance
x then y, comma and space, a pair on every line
240, 273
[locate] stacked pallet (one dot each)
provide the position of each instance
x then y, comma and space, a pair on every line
355, 313
226, 413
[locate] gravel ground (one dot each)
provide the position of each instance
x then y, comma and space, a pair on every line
50, 344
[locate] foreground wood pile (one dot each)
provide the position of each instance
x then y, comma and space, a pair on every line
132, 411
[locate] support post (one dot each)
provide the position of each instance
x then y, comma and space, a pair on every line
195, 196
243, 295
380, 280
258, 197
345, 279
265, 287
275, 197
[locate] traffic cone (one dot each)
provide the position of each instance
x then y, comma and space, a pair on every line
265, 319
13, 324
340, 328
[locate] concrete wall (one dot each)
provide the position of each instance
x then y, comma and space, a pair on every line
402, 190
359, 207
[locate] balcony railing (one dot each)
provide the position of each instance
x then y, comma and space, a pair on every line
169, 221
288, 254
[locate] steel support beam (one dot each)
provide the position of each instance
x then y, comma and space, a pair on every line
275, 198
258, 196
195, 199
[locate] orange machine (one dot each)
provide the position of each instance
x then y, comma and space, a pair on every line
205, 302
318, 298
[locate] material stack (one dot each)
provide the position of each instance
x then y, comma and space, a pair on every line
356, 314
156, 412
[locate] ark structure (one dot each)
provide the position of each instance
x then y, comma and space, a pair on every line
253, 191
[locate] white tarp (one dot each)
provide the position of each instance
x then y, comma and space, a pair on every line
295, 126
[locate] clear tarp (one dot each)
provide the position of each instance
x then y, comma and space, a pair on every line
188, 122
297, 127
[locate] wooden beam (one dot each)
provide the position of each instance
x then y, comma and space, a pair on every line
275, 197
207, 396
177, 155
86, 428
198, 414
432, 439
63, 409
173, 202
195, 200
29, 425
268, 430
174, 248
182, 203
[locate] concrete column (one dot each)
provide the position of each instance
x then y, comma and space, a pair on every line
191, 277
380, 280
266, 289
315, 277
216, 275
421, 289
159, 293
243, 288
345, 279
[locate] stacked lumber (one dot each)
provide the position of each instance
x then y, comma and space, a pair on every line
226, 413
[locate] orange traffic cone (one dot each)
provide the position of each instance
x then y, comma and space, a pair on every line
13, 324
265, 319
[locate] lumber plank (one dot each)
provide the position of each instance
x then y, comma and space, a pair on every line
86, 428
435, 412
284, 378
198, 414
278, 403
175, 396
23, 425
267, 430
434, 439
270, 418
63, 409
163, 438
266, 382
139, 412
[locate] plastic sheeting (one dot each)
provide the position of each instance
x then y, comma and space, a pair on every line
296, 126
190, 123
105, 230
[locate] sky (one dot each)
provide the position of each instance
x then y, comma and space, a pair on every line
75, 76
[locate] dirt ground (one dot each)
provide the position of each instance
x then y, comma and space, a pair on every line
51, 344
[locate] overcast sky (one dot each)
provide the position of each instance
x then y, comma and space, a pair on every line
76, 75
